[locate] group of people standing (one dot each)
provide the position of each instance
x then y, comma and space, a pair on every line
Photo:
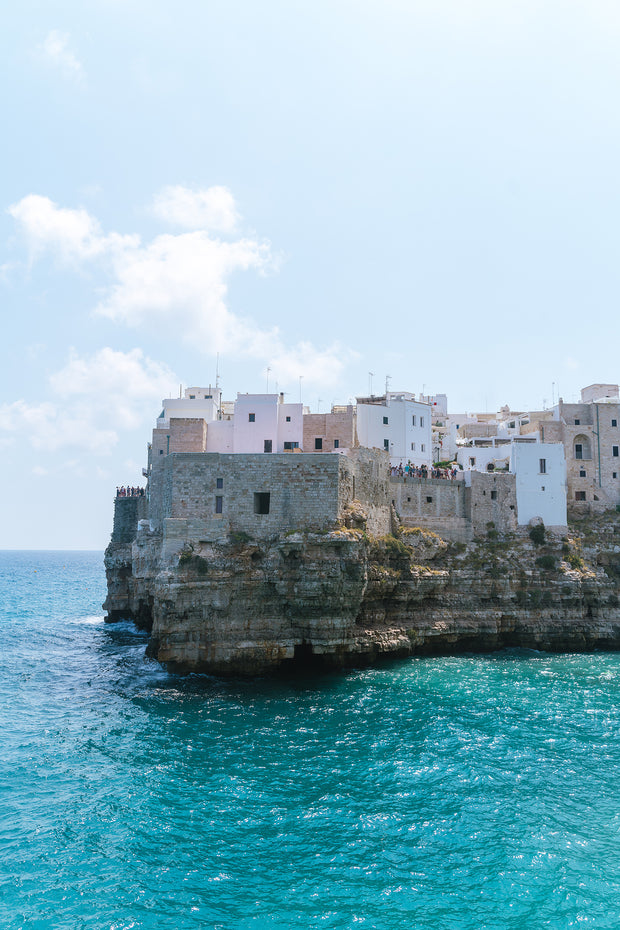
129, 492
422, 471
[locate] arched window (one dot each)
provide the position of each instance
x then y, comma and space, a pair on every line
581, 447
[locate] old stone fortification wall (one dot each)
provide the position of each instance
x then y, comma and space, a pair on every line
127, 512
493, 500
457, 512
210, 496
437, 504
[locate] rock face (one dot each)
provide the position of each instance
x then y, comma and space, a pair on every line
342, 598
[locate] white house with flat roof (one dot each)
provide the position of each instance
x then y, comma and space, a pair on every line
397, 423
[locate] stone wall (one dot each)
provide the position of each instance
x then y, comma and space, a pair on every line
493, 500
127, 512
210, 496
434, 503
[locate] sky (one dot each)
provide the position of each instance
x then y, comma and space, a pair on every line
308, 197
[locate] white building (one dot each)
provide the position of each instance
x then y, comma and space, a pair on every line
397, 423
264, 423
540, 471
197, 403
201, 422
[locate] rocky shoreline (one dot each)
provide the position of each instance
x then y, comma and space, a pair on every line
342, 598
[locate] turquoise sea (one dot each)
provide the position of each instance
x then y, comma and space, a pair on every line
470, 792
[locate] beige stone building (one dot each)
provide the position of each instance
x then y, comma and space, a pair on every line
590, 433
324, 432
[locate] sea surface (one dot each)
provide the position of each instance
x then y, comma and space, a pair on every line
470, 792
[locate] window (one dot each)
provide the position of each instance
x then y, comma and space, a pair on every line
336, 443
422, 447
385, 421
472, 460
582, 473
318, 443
614, 451
577, 422
542, 487
267, 445
578, 450
413, 420
251, 417
219, 502
161, 451
421, 421
386, 445
580, 495
219, 483
614, 422
615, 474
493, 495
288, 419
408, 500
413, 446
542, 466
429, 500
290, 445
192, 397
261, 502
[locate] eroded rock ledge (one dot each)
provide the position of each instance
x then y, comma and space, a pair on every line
343, 598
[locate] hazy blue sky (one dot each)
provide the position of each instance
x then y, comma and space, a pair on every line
426, 190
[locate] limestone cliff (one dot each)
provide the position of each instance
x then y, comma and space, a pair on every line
242, 606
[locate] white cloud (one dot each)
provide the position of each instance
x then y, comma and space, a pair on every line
94, 398
56, 51
210, 209
71, 235
178, 285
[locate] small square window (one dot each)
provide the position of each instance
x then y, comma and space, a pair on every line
318, 443
580, 495
582, 473
493, 495
251, 418
161, 451
288, 419
577, 422
219, 483
261, 502
219, 504
429, 500
192, 397
385, 421
336, 443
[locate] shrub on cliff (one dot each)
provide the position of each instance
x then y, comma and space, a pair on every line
537, 534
